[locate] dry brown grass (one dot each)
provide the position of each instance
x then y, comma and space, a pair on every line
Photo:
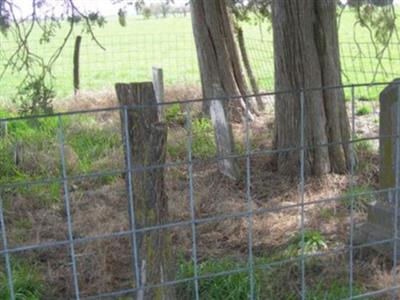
86, 100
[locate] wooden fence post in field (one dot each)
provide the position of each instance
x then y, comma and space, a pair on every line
158, 83
76, 64
147, 138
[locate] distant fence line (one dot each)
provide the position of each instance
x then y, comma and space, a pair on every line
129, 57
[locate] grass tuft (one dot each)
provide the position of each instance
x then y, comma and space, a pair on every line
27, 282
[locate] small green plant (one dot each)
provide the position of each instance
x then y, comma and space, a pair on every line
326, 213
358, 197
8, 169
235, 286
314, 242
173, 114
364, 110
92, 144
27, 282
146, 13
363, 147
203, 138
177, 151
332, 291
35, 96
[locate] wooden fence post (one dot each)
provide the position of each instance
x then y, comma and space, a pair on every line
148, 137
158, 83
76, 64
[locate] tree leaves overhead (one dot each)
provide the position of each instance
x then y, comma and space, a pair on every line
244, 9
378, 17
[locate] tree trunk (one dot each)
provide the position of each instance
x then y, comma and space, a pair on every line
221, 74
217, 53
306, 51
148, 139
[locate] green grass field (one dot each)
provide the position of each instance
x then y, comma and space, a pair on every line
132, 50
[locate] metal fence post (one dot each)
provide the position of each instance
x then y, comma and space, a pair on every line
302, 187
249, 202
131, 211
191, 198
10, 279
68, 208
352, 184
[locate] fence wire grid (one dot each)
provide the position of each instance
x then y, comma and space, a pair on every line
250, 212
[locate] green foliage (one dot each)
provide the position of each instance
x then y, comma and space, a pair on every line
5, 23
314, 242
380, 21
363, 147
332, 291
173, 114
122, 17
280, 282
38, 131
364, 110
35, 96
178, 150
203, 145
28, 284
203, 141
357, 201
283, 281
8, 169
91, 144
230, 287
38, 135
146, 12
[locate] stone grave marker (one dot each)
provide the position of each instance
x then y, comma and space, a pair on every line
380, 224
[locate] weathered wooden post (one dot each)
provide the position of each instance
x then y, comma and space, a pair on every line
382, 214
223, 137
76, 63
158, 83
147, 138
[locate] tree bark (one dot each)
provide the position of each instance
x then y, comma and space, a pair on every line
148, 138
217, 53
221, 74
307, 56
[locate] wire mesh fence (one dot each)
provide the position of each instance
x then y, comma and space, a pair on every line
69, 224
129, 58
